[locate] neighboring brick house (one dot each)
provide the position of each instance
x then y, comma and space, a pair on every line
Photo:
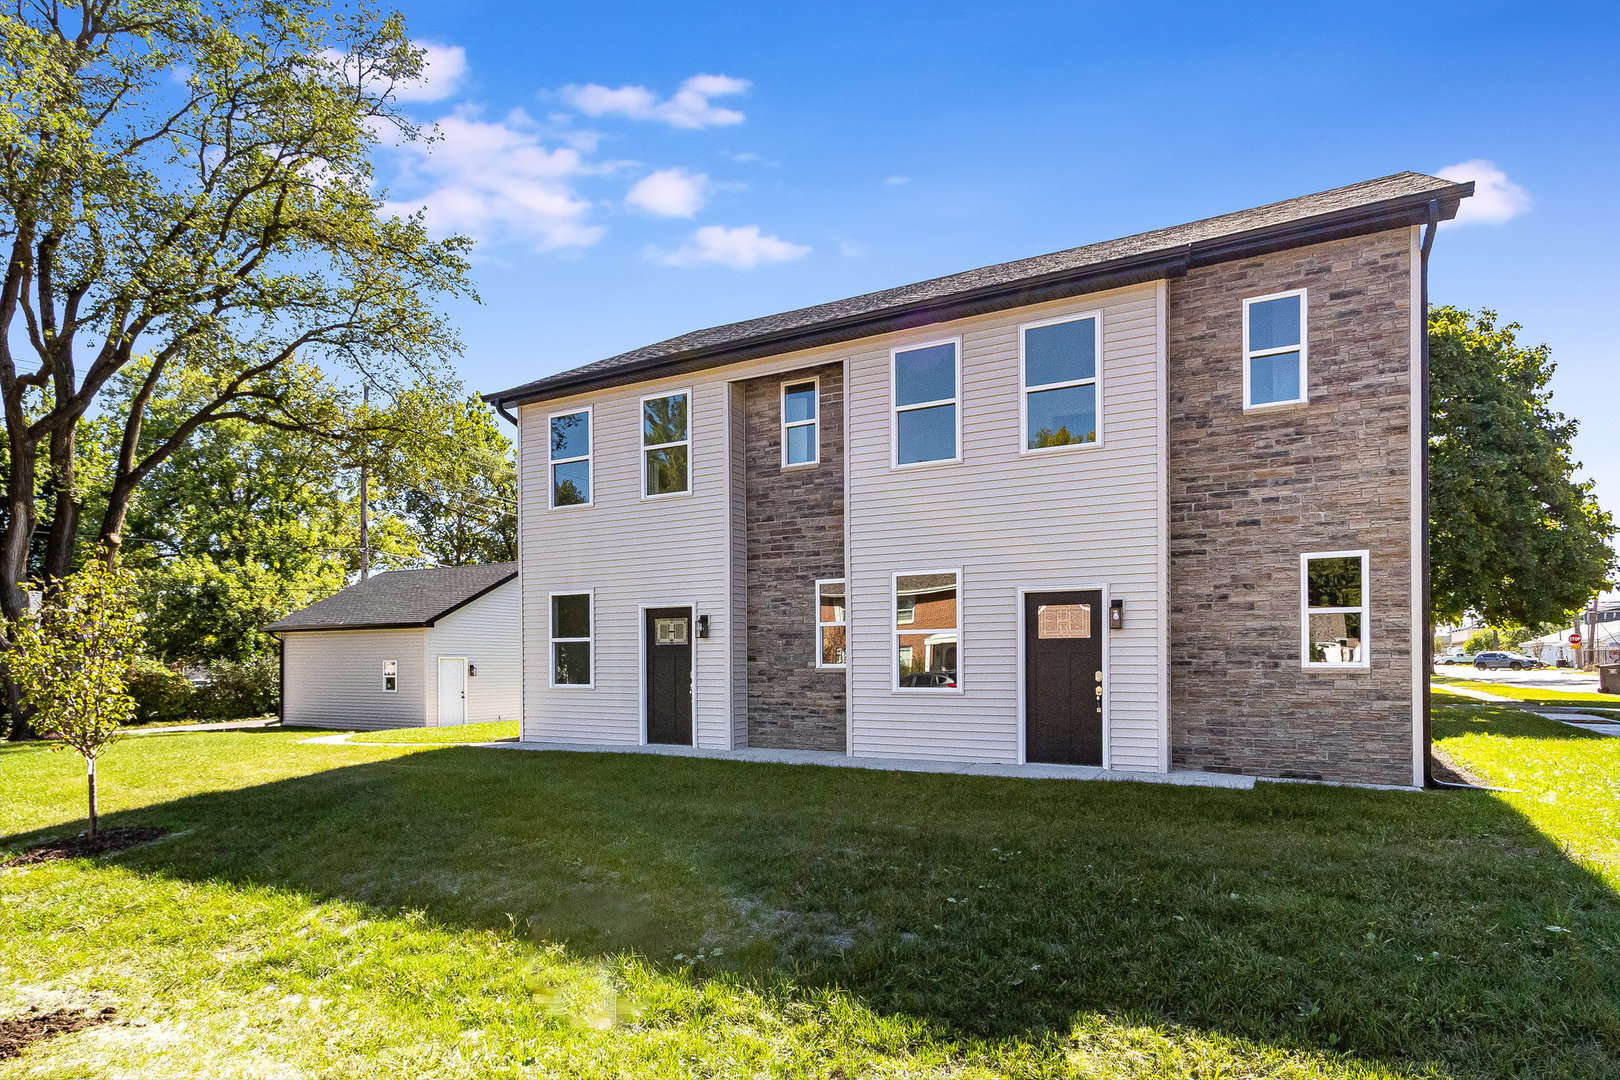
1149, 504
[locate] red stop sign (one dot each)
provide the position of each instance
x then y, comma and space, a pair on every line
1575, 638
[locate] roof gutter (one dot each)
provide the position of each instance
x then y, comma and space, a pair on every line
1432, 226
1129, 270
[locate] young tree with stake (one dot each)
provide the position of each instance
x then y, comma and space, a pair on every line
68, 661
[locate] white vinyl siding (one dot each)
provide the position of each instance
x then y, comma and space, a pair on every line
334, 678
1010, 521
486, 633
629, 552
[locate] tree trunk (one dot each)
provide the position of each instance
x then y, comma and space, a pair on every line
19, 530
64, 529
111, 537
90, 777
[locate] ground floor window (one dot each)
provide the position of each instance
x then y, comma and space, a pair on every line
1333, 609
390, 676
926, 634
571, 639
832, 642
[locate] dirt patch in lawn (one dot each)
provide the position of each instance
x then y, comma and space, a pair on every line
82, 847
17, 1033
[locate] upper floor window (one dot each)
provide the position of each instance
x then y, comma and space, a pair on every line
926, 631
390, 676
927, 389
571, 639
831, 624
800, 442
666, 445
1274, 349
1060, 383
1333, 609
571, 458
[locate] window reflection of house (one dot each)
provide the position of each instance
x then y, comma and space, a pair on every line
925, 605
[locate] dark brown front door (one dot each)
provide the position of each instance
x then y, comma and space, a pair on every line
669, 675
1063, 673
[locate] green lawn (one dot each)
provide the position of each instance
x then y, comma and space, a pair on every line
494, 731
390, 910
1530, 695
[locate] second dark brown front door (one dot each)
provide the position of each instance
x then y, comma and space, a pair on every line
669, 675
1063, 673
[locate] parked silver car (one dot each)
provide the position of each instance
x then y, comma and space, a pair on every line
1510, 660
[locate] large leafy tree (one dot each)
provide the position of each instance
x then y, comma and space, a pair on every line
1513, 535
446, 472
186, 195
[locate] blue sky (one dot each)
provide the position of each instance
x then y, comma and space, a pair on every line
632, 171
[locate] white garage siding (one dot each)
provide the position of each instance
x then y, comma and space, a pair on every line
485, 632
334, 678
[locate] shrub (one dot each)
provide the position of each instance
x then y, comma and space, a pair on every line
162, 695
235, 690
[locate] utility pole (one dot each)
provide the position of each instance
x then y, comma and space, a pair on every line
365, 487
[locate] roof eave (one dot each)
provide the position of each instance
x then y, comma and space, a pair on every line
1397, 212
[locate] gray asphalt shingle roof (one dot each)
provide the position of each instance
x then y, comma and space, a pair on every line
1387, 202
400, 598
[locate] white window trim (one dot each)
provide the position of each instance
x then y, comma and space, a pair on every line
1024, 389
385, 687
552, 640
1305, 611
896, 626
641, 441
813, 422
1303, 348
821, 625
896, 410
589, 459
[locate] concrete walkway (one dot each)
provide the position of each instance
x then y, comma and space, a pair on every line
224, 725
1585, 721
834, 759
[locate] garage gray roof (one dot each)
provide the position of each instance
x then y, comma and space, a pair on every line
1370, 206
400, 599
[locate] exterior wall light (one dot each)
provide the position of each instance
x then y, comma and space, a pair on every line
703, 626
1116, 614
472, 669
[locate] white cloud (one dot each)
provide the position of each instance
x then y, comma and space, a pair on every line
741, 248
896, 181
851, 249
669, 193
689, 107
444, 67
1496, 199
496, 180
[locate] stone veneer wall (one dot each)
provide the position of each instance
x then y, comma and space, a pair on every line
1249, 492
795, 521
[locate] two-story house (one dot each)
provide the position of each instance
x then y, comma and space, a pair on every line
1149, 504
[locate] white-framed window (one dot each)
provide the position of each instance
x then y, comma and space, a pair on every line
832, 637
390, 676
801, 427
1275, 344
572, 623
570, 458
666, 444
925, 384
1333, 591
1060, 362
927, 632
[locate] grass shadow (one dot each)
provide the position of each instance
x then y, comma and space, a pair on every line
1396, 927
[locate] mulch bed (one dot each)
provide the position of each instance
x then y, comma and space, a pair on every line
82, 847
19, 1032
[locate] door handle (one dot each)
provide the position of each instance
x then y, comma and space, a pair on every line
1099, 691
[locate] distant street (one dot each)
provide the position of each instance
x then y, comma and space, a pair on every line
1578, 682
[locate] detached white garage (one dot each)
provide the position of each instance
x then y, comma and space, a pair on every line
408, 648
